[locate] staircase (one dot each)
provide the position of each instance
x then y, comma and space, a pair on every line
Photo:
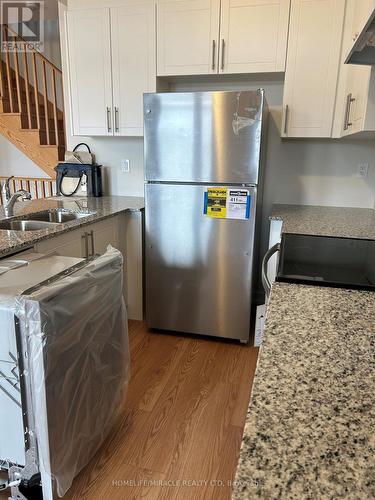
31, 103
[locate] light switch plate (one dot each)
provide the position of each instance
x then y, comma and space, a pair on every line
125, 166
362, 170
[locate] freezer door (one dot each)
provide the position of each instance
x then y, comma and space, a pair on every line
203, 136
198, 269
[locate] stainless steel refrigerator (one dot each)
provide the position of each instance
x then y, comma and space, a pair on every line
203, 190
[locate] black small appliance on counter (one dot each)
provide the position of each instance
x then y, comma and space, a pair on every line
327, 261
82, 175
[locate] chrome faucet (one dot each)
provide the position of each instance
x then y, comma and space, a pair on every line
5, 190
9, 205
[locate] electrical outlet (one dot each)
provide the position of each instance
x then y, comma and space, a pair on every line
362, 170
125, 166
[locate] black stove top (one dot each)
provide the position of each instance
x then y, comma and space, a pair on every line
327, 261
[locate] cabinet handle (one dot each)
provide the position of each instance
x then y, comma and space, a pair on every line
117, 129
86, 242
349, 100
91, 234
222, 54
213, 54
109, 120
286, 119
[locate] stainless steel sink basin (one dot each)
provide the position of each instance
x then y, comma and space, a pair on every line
57, 216
42, 220
25, 225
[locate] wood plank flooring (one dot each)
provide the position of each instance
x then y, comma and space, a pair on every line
180, 434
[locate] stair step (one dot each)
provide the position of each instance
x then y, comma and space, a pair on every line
22, 98
10, 114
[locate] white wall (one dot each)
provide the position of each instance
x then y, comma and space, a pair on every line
313, 172
13, 162
109, 151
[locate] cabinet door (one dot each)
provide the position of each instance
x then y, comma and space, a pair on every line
104, 233
356, 98
70, 244
187, 37
312, 67
89, 46
134, 64
362, 11
253, 35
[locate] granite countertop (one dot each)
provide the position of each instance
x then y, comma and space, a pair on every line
309, 431
326, 221
107, 206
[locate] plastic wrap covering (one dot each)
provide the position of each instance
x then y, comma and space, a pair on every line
77, 343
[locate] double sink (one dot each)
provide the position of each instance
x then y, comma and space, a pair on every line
42, 220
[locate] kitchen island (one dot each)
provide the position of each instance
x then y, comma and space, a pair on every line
343, 222
309, 430
110, 220
98, 208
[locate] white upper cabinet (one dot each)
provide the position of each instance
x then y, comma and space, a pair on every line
250, 36
356, 103
89, 45
134, 64
253, 35
314, 50
187, 37
112, 62
362, 11
359, 102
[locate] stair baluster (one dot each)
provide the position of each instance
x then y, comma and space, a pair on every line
26, 76
31, 87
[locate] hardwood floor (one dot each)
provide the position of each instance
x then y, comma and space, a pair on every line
182, 424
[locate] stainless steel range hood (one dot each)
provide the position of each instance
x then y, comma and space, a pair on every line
363, 51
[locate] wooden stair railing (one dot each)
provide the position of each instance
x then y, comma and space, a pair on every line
37, 187
31, 88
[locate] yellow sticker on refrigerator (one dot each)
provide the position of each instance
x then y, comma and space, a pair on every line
216, 202
227, 203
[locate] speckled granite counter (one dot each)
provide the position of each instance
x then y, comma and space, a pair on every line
326, 221
310, 426
108, 206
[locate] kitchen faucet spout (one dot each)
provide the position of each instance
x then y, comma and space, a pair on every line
9, 205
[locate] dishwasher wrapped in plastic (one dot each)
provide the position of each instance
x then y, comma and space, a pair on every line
74, 368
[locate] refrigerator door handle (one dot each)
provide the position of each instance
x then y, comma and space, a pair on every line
265, 281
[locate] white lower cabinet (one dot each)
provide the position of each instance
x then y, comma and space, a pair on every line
70, 244
102, 234
124, 232
84, 242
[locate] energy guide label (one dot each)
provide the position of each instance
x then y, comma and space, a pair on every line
227, 203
